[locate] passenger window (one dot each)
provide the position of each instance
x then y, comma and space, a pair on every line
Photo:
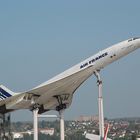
130, 40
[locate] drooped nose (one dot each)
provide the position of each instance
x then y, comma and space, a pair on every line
138, 43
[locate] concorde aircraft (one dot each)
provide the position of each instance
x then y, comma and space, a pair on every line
57, 93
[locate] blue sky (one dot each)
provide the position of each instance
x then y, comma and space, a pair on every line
40, 39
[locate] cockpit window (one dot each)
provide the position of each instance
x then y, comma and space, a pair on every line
133, 39
130, 40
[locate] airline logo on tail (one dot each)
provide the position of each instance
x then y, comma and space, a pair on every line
4, 94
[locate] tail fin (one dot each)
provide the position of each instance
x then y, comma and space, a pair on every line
5, 92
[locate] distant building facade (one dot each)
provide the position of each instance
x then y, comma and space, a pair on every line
87, 118
47, 131
17, 135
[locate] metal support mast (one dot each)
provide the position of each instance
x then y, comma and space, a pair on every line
35, 109
35, 125
100, 105
62, 131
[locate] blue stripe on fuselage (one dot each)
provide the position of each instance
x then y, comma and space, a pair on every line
6, 94
2, 96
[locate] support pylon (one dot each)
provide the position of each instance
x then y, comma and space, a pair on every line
62, 131
35, 121
100, 105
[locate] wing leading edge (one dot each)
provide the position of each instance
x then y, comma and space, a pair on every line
56, 95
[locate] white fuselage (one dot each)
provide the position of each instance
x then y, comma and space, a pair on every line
66, 83
101, 59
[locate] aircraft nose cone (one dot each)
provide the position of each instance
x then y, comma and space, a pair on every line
138, 43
